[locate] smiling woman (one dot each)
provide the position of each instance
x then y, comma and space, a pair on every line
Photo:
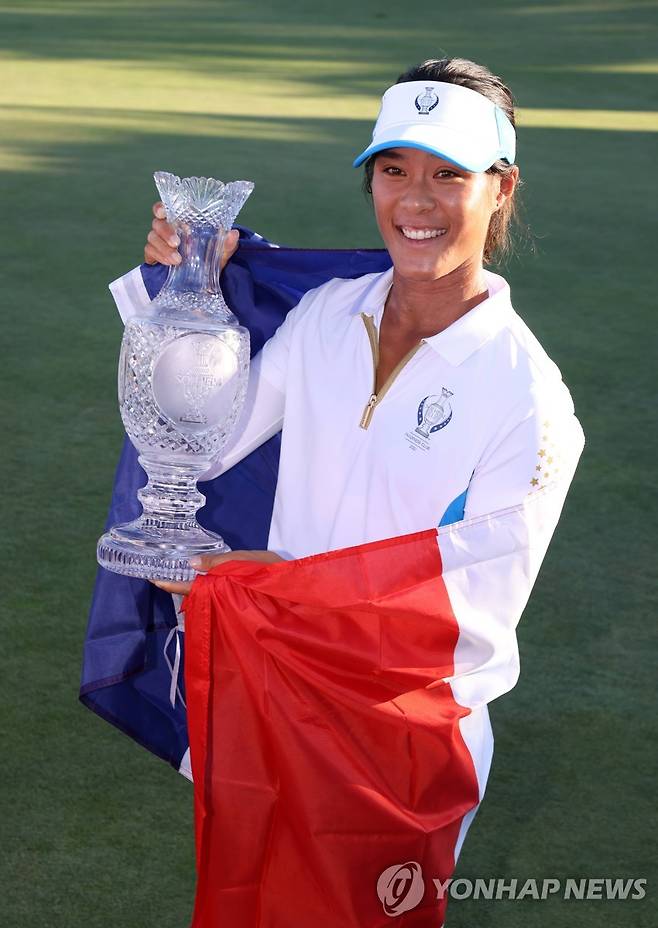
464, 73
408, 399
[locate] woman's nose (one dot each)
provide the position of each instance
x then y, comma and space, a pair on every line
418, 195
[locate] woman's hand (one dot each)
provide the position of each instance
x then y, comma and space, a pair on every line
204, 563
162, 241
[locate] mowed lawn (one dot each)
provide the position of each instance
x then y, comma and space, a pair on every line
94, 97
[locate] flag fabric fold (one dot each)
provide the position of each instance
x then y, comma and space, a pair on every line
333, 706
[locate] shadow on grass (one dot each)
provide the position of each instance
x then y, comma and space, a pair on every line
348, 48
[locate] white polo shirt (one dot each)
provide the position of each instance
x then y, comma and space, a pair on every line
475, 420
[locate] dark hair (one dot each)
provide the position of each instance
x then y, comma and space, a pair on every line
498, 243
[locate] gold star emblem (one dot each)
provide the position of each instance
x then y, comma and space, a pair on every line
541, 452
534, 481
549, 460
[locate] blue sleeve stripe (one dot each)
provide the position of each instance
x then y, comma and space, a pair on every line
455, 510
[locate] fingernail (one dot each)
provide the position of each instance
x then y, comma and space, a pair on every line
176, 258
194, 562
175, 241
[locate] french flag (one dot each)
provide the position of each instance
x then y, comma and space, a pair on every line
337, 719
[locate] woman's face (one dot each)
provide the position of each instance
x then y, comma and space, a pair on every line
433, 215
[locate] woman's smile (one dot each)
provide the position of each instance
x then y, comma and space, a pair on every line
420, 234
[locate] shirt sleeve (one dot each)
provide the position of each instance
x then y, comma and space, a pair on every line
130, 294
492, 558
540, 446
276, 350
260, 419
264, 409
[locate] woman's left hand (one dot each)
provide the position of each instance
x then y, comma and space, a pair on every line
207, 561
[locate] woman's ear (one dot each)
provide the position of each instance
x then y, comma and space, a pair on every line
508, 182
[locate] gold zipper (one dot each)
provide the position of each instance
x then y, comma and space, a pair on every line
374, 345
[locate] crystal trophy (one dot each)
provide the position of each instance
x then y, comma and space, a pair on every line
183, 372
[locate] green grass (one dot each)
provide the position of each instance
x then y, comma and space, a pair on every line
94, 97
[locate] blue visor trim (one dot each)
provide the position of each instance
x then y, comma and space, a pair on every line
404, 143
506, 136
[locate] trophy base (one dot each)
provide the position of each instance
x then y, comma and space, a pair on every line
136, 549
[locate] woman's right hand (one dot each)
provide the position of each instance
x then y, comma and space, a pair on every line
162, 241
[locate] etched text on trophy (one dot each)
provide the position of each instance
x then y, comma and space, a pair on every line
195, 380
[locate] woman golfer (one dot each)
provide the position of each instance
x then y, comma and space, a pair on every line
416, 396
357, 363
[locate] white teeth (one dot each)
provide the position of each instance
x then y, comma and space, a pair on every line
422, 233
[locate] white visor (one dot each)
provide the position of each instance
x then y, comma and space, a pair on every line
448, 120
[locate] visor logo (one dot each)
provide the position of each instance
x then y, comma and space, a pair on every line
426, 101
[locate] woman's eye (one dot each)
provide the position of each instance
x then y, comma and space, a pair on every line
394, 171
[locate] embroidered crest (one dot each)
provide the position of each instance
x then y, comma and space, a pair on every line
426, 101
434, 413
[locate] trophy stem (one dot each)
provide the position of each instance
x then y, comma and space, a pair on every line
170, 499
158, 544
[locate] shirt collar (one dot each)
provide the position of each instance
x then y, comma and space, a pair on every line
463, 336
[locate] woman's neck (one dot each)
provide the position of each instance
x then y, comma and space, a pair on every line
422, 308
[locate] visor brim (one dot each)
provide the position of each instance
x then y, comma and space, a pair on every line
465, 151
